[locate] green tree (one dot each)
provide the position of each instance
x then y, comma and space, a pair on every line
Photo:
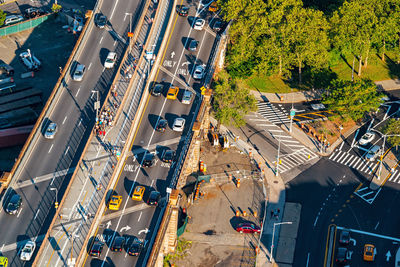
2, 17
307, 30
231, 102
353, 27
353, 99
393, 128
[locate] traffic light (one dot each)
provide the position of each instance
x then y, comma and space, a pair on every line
56, 205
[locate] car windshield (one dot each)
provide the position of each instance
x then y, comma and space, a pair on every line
78, 72
109, 60
368, 253
27, 249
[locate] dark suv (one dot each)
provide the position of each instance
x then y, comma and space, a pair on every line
154, 198
96, 249
135, 248
157, 89
33, 12
14, 204
118, 244
149, 160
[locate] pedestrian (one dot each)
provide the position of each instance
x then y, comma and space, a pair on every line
272, 213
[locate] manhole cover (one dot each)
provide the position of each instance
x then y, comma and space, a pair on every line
209, 232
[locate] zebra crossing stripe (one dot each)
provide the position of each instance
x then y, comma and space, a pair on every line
333, 154
343, 155
397, 177
337, 155
352, 156
358, 164
344, 159
354, 159
363, 167
392, 177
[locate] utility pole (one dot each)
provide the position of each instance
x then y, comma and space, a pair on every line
55, 189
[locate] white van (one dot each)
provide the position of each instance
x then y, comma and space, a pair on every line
11, 19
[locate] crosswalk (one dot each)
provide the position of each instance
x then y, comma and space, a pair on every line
275, 114
296, 153
395, 177
353, 161
367, 194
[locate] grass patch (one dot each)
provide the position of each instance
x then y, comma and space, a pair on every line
377, 70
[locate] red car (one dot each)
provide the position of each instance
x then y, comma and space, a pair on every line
248, 228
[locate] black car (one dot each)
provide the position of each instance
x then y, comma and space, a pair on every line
96, 249
100, 20
344, 238
217, 25
33, 12
193, 45
135, 248
342, 256
157, 89
118, 243
149, 160
14, 204
161, 126
154, 198
168, 156
182, 10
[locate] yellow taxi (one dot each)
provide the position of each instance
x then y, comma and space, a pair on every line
115, 202
138, 193
213, 7
369, 252
173, 92
3, 261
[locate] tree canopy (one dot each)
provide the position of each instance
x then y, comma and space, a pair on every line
353, 99
2, 17
393, 128
231, 101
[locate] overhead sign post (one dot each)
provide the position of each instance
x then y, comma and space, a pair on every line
149, 55
292, 114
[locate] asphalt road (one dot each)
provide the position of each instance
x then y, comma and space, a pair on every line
174, 69
52, 159
332, 202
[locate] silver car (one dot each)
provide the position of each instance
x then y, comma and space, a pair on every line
51, 131
187, 97
179, 124
198, 73
373, 153
79, 72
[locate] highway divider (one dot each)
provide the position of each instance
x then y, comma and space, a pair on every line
49, 106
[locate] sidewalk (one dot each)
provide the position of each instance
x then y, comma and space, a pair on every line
85, 195
275, 194
383, 172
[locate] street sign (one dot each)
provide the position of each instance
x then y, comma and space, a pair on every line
169, 190
130, 34
149, 55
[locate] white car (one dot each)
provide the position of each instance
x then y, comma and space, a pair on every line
199, 24
198, 73
179, 124
79, 72
366, 138
110, 60
318, 106
187, 97
51, 131
27, 251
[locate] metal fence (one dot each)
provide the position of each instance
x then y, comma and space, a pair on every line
25, 25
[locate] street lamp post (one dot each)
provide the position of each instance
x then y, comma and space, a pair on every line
273, 235
96, 104
278, 160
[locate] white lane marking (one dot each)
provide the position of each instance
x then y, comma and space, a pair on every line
370, 234
152, 182
37, 213
104, 68
51, 147
66, 151
316, 220
308, 259
64, 120
376, 225
80, 121
140, 216
19, 212
354, 140
341, 146
77, 93
112, 12
115, 42
90, 65
101, 40
2, 247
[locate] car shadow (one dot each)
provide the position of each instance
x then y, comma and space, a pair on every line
153, 120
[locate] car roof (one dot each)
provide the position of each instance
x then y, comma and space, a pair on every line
149, 156
15, 197
111, 54
139, 188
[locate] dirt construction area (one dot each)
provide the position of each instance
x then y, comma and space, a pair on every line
212, 228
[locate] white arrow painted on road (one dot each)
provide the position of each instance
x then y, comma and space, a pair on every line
126, 228
108, 224
388, 255
172, 54
354, 241
185, 63
144, 230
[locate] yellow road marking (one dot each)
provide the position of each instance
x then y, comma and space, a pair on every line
51, 256
358, 187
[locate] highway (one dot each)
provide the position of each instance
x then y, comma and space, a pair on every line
52, 162
136, 219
